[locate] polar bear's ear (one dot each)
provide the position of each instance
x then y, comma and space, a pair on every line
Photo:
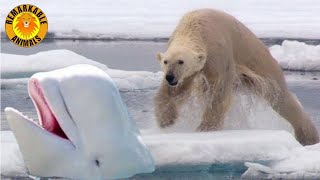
159, 56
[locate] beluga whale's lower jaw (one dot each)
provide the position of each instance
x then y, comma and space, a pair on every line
85, 130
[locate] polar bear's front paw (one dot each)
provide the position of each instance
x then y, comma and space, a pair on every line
209, 125
166, 123
168, 117
204, 128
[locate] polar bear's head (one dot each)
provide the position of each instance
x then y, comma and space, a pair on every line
180, 63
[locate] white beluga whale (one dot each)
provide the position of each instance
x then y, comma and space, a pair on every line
85, 130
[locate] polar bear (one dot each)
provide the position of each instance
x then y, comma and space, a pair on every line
212, 54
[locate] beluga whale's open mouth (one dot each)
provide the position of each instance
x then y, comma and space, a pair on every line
46, 117
84, 129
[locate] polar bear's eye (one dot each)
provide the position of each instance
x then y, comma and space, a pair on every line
180, 62
165, 62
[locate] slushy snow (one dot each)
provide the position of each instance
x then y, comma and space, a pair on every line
105, 19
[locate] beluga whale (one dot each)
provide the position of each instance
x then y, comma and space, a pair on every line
85, 130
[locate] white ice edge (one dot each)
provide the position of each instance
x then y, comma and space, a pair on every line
154, 19
284, 155
301, 163
16, 69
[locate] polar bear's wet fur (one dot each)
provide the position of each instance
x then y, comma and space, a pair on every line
212, 54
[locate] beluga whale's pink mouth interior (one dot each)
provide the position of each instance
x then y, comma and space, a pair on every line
46, 117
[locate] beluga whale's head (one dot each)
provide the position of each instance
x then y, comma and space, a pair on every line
84, 129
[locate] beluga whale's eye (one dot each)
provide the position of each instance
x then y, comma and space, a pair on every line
97, 162
165, 62
180, 62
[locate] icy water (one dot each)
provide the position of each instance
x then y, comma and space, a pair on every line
126, 55
139, 55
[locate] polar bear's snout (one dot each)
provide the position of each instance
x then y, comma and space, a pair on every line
172, 80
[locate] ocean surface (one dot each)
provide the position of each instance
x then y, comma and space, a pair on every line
138, 56
128, 55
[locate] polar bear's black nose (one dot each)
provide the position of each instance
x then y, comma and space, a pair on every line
171, 79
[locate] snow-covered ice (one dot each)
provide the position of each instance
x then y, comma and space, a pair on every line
155, 19
294, 55
219, 147
278, 148
11, 157
17, 68
300, 163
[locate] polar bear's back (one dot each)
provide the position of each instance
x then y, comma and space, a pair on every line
219, 34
